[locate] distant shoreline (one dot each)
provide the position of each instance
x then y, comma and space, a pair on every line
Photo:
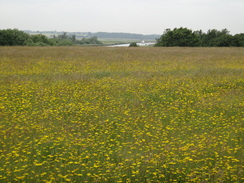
99, 35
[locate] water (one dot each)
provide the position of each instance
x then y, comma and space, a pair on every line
127, 45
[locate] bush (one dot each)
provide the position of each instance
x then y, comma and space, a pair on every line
65, 42
92, 40
134, 44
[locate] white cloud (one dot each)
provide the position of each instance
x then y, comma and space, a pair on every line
138, 16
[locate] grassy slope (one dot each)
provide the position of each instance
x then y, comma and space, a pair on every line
121, 114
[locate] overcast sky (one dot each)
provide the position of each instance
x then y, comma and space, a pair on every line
132, 16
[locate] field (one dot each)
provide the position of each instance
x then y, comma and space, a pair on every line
77, 114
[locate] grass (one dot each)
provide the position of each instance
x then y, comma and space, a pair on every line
76, 114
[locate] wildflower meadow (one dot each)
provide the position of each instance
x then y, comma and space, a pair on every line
144, 114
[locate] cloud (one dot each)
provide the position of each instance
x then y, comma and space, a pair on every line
138, 16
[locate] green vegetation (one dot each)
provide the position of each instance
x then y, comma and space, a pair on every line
134, 44
78, 114
92, 40
184, 37
15, 37
180, 37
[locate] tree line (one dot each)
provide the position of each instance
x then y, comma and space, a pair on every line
184, 37
15, 37
181, 37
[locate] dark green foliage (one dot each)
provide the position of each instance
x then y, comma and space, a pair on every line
213, 38
38, 40
13, 37
65, 42
133, 44
181, 37
224, 41
69, 40
178, 37
92, 40
216, 38
238, 40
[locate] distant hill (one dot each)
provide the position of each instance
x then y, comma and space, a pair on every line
99, 35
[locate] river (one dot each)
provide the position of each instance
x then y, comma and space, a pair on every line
127, 45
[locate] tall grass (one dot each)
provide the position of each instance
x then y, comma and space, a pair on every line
73, 114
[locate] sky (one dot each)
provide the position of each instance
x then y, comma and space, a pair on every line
128, 16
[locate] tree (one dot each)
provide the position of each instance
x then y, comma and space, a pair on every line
238, 40
73, 38
13, 37
92, 40
185, 37
200, 35
65, 42
178, 37
133, 44
63, 36
224, 41
39, 40
216, 38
